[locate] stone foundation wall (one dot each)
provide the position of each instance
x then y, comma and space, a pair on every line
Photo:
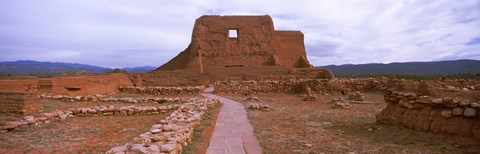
102, 98
162, 90
320, 86
171, 134
87, 112
437, 115
19, 102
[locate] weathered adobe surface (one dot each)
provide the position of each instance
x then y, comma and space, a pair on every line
19, 94
19, 103
257, 52
438, 115
71, 85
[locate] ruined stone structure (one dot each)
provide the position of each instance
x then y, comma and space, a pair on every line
437, 115
236, 48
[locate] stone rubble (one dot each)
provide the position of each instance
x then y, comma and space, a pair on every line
340, 103
356, 96
171, 134
309, 95
256, 106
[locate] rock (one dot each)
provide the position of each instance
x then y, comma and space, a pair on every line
324, 124
63, 116
340, 104
469, 112
154, 148
77, 98
356, 96
30, 119
457, 111
155, 131
168, 147
464, 103
10, 126
409, 118
475, 105
163, 122
117, 150
139, 148
446, 113
437, 124
308, 145
167, 127
437, 101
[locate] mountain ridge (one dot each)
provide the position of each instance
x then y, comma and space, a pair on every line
31, 67
415, 68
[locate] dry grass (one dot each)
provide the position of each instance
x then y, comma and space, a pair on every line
296, 126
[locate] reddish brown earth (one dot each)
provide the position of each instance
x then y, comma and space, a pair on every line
296, 126
77, 135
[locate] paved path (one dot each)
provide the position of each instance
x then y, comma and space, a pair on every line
233, 133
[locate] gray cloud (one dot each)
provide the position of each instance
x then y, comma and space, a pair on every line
116, 33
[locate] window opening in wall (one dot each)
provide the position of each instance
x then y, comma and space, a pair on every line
233, 33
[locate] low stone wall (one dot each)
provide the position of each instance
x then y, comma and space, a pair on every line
85, 112
171, 134
437, 115
19, 102
162, 90
298, 86
103, 98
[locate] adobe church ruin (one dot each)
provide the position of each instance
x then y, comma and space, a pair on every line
239, 48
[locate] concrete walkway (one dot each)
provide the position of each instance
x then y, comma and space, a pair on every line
233, 133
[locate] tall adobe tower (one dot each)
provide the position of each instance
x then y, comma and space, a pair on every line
241, 47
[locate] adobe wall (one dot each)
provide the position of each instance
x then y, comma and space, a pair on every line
291, 49
257, 50
84, 85
434, 114
19, 102
71, 85
210, 41
321, 86
18, 84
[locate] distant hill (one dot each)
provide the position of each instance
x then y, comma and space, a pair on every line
139, 69
415, 68
28, 67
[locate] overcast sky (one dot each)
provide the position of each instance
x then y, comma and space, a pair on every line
126, 33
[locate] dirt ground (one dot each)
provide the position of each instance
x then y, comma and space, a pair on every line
296, 126
77, 135
88, 134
